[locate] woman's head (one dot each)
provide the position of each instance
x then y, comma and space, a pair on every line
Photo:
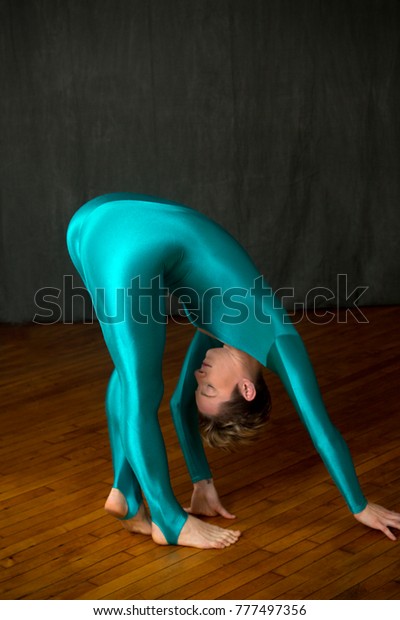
232, 398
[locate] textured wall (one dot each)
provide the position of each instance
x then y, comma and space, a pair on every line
279, 118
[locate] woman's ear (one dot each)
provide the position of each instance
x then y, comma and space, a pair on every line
247, 389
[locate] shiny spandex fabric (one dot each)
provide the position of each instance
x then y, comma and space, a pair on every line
127, 248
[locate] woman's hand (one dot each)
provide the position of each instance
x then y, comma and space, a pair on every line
205, 501
379, 518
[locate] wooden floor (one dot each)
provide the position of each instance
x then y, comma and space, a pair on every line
299, 540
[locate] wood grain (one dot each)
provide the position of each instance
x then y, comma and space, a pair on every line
299, 540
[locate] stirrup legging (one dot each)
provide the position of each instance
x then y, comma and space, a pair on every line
136, 387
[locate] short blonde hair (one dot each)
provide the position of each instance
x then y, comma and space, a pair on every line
239, 421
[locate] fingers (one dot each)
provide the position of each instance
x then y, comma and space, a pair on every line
224, 513
386, 519
388, 533
210, 512
379, 518
203, 511
392, 522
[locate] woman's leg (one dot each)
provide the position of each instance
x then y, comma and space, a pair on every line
142, 441
103, 251
124, 478
107, 260
125, 500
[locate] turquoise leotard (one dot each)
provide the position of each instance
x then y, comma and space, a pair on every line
127, 249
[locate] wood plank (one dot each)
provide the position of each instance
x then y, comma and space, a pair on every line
299, 540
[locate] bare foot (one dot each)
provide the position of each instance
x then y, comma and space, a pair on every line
117, 507
197, 533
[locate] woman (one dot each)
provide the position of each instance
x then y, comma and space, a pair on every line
128, 249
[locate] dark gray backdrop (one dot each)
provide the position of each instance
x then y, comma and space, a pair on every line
279, 118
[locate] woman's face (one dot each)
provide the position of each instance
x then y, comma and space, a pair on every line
220, 372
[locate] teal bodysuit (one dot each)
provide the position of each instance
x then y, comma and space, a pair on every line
129, 250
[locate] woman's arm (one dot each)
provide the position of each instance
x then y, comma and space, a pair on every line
205, 500
289, 359
184, 410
